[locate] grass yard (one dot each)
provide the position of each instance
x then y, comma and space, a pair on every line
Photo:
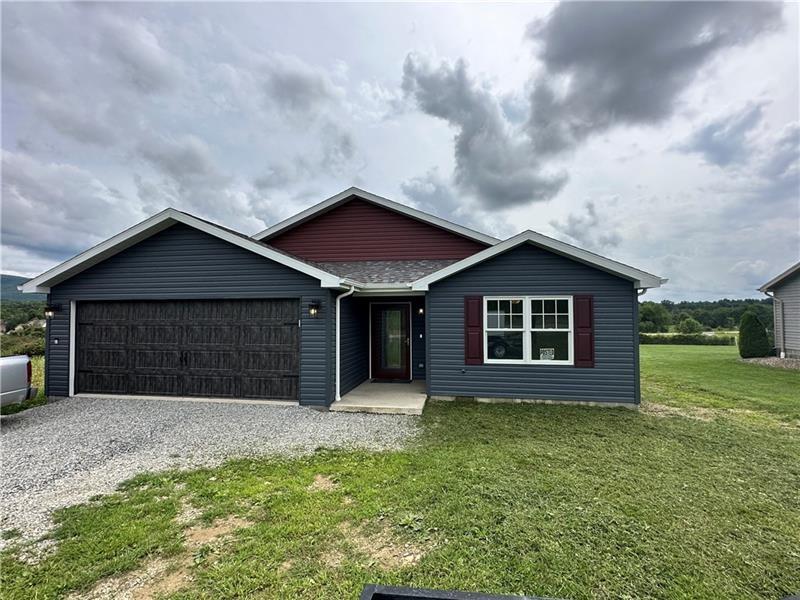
692, 497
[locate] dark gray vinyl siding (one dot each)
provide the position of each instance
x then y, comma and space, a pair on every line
355, 338
183, 263
527, 270
787, 316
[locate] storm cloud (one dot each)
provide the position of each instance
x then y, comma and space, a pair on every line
493, 159
724, 140
627, 63
588, 230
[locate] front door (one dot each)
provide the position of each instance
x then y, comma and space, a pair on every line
391, 342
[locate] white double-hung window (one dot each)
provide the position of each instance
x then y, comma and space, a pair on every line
528, 330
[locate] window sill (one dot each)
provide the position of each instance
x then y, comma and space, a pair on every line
561, 363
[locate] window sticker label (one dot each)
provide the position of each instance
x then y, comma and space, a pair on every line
547, 353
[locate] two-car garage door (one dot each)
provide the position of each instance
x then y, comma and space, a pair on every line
204, 348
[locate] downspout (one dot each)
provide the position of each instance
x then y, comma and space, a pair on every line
338, 336
778, 307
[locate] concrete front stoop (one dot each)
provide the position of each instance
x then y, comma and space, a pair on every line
384, 398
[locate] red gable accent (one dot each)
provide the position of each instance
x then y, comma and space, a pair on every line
360, 230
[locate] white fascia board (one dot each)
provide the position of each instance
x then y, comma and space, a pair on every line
775, 281
153, 225
640, 279
381, 201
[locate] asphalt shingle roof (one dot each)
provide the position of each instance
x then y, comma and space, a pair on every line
384, 271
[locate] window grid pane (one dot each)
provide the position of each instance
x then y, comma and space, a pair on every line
550, 314
505, 314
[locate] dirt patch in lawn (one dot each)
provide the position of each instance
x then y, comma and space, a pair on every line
383, 547
160, 576
199, 535
157, 576
322, 483
333, 559
187, 513
775, 362
662, 410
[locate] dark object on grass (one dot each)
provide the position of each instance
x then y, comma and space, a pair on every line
386, 592
753, 340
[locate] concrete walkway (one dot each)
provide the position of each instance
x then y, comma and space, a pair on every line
384, 398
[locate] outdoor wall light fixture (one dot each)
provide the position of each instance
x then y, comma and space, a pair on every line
50, 310
421, 310
313, 309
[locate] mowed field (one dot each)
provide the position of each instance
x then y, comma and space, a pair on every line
693, 496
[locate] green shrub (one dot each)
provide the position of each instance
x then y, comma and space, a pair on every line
687, 339
689, 325
32, 345
753, 340
18, 312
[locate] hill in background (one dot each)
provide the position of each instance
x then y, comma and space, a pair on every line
10, 293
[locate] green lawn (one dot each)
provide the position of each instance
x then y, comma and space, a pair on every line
712, 377
559, 501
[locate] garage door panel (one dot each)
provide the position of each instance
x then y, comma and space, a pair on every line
285, 362
212, 361
212, 386
218, 311
102, 383
102, 333
278, 310
154, 384
206, 348
155, 311
217, 335
270, 335
106, 311
278, 388
156, 334
103, 359
157, 359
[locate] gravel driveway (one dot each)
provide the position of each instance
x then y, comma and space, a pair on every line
67, 451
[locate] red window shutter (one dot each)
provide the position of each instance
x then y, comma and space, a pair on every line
473, 330
583, 306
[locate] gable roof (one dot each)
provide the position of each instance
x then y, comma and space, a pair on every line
777, 281
365, 273
640, 279
347, 194
160, 222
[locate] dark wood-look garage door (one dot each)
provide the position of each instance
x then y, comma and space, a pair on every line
205, 348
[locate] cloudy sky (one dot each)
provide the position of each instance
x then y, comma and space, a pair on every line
663, 135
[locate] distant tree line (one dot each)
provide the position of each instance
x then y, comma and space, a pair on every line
30, 340
694, 317
20, 312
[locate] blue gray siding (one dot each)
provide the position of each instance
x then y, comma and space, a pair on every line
354, 343
183, 263
528, 270
787, 316
355, 338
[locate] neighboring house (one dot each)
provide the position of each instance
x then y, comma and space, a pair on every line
785, 292
355, 288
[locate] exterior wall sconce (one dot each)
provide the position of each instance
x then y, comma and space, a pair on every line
421, 311
50, 310
313, 309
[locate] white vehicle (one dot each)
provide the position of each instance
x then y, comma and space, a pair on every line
15, 379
